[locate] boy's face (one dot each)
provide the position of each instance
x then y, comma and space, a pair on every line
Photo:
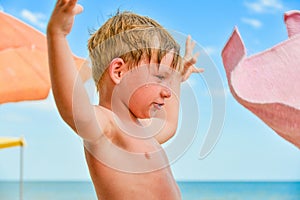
150, 97
148, 86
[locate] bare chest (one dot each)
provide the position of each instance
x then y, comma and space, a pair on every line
113, 184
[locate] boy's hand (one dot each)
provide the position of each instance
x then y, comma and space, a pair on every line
189, 60
62, 17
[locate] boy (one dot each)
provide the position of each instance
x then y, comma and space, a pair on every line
137, 72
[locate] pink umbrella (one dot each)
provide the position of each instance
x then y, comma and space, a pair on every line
268, 83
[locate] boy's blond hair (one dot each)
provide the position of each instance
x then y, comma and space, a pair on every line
131, 37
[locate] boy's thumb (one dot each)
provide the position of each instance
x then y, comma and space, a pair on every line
78, 9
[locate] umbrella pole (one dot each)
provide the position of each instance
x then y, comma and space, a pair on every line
21, 172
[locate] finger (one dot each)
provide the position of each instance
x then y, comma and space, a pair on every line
192, 45
67, 2
187, 46
197, 70
60, 2
187, 73
72, 3
185, 76
77, 9
188, 40
196, 56
192, 60
191, 71
72, 6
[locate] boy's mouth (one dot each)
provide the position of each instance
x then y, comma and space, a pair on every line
158, 106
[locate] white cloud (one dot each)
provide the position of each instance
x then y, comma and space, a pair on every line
1, 8
37, 19
252, 22
265, 6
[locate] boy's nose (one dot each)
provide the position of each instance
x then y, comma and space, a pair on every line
166, 92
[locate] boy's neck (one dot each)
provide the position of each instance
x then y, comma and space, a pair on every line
122, 111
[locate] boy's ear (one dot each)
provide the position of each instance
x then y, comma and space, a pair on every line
117, 69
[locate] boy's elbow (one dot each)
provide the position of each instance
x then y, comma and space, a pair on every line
68, 119
67, 116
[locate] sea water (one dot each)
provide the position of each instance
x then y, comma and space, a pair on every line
190, 191
240, 190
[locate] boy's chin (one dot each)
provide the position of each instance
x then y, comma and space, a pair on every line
152, 122
145, 116
145, 122
153, 113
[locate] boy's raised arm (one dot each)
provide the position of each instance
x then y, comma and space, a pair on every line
68, 90
172, 104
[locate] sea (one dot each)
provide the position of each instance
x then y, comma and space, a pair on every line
190, 191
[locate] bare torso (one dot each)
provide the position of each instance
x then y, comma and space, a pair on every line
125, 178
111, 184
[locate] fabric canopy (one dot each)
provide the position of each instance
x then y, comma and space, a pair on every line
6, 142
24, 70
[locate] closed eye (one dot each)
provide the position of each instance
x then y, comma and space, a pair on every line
160, 77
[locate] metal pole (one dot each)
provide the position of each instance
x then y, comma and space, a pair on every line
21, 172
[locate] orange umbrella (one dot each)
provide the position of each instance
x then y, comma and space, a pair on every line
24, 71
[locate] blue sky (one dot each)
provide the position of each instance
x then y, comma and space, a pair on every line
247, 148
